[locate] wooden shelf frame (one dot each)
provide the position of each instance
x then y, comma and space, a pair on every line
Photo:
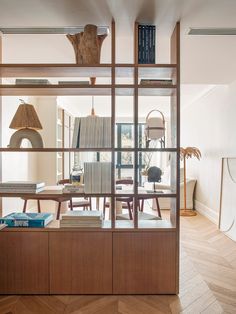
160, 237
101, 70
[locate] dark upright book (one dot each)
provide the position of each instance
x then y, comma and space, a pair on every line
146, 44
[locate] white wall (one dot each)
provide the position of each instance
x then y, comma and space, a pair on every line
209, 124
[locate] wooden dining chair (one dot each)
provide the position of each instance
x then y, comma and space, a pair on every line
85, 203
57, 198
127, 202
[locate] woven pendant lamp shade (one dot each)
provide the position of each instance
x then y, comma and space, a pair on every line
25, 117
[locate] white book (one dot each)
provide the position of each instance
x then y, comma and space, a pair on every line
22, 184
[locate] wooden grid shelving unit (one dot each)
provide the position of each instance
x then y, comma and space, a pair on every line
127, 244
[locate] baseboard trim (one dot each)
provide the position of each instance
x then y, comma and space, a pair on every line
207, 212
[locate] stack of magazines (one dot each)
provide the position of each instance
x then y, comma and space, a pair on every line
21, 187
81, 219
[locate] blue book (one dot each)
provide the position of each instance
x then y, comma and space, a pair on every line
31, 220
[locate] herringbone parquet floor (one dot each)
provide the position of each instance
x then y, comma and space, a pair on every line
208, 283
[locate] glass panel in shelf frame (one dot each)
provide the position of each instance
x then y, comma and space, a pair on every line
157, 120
124, 122
160, 75
124, 172
124, 75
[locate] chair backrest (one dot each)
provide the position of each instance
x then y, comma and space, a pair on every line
63, 181
125, 181
154, 174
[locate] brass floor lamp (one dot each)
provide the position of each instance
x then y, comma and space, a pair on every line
186, 153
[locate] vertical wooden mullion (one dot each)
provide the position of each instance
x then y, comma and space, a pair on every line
113, 121
136, 167
63, 143
0, 126
175, 103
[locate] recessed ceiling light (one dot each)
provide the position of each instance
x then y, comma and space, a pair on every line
212, 31
50, 30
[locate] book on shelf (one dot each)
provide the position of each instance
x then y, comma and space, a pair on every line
27, 184
73, 82
32, 82
82, 219
97, 177
21, 187
146, 44
32, 220
156, 82
92, 132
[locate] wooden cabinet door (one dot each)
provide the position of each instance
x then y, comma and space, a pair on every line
80, 262
24, 263
144, 263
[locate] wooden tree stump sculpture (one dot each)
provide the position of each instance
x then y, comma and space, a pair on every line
87, 46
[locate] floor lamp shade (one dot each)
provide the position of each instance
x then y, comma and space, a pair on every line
25, 117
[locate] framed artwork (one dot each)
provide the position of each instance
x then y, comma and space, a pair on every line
227, 223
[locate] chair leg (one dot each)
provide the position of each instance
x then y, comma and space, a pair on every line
90, 203
25, 205
158, 207
58, 210
104, 207
129, 209
39, 207
71, 204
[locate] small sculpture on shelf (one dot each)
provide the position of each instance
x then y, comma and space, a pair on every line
26, 122
87, 46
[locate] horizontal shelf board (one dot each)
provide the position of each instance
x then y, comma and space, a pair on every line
55, 70
165, 193
75, 70
54, 90
52, 195
157, 90
49, 194
6, 149
144, 224
120, 226
74, 89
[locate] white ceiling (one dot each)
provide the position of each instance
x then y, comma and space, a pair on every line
205, 60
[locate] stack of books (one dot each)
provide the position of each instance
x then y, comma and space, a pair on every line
92, 132
32, 82
81, 219
156, 82
72, 188
146, 44
73, 82
21, 187
97, 177
32, 220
